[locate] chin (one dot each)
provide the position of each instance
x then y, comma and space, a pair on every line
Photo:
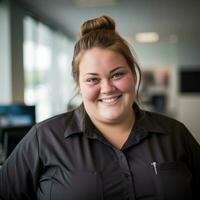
111, 118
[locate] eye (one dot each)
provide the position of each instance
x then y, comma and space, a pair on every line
92, 80
117, 75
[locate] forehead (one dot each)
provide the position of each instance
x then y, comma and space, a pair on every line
100, 60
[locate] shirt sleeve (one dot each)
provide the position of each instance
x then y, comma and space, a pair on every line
19, 173
193, 149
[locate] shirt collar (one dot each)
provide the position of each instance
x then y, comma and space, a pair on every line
75, 121
79, 123
148, 121
144, 126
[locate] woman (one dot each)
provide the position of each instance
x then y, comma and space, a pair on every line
107, 148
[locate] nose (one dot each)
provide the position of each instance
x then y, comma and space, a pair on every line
107, 86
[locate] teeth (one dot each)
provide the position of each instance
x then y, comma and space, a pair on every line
108, 100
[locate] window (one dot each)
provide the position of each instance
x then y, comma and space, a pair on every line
47, 67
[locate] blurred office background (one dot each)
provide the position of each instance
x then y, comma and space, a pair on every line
36, 46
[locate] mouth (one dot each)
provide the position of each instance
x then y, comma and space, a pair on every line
110, 100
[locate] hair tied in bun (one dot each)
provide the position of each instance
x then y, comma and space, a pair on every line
99, 23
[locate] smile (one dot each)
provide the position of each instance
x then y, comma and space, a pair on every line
110, 100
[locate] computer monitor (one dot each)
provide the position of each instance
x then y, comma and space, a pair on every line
17, 115
189, 80
15, 121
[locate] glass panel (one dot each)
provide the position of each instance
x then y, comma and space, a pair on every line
47, 66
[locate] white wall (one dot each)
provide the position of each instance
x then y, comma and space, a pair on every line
189, 113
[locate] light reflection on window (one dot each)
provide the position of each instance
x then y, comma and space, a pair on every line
47, 67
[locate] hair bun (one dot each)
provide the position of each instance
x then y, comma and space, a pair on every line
99, 23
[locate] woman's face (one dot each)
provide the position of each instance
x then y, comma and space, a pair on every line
107, 85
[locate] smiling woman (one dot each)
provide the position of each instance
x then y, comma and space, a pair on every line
107, 85
107, 148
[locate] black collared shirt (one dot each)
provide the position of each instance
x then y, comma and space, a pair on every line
66, 157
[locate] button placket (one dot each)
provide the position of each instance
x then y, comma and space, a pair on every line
126, 173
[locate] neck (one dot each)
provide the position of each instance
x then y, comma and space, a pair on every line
117, 133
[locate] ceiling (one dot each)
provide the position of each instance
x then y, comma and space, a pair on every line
173, 20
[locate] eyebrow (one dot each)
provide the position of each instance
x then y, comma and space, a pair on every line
96, 74
92, 74
116, 69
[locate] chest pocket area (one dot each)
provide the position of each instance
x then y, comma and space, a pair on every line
61, 184
173, 181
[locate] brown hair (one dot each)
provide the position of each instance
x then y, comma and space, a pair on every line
100, 32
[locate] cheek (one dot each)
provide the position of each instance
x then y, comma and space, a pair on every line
89, 93
126, 84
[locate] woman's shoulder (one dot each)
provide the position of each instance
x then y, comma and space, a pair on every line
161, 116
60, 122
54, 120
163, 122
